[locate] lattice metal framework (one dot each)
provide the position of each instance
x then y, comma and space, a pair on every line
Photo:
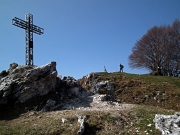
29, 30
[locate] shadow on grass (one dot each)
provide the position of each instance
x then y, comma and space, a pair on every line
12, 111
91, 129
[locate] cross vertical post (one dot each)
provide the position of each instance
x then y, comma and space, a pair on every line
29, 30
29, 40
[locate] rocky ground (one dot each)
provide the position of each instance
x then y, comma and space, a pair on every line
97, 103
109, 99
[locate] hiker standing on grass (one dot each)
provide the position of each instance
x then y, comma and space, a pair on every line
121, 68
105, 69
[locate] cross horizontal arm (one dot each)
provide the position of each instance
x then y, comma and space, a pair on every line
36, 29
19, 23
23, 24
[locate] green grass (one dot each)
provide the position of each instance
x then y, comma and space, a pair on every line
128, 87
145, 116
110, 118
144, 77
106, 123
162, 91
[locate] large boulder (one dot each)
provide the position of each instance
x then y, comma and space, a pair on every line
3, 74
21, 83
168, 124
95, 84
73, 88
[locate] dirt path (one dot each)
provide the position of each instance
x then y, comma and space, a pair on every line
100, 105
96, 102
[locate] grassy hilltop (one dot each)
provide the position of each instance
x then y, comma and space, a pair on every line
159, 91
150, 94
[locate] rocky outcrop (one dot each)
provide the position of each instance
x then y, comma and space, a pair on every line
73, 88
3, 74
39, 88
82, 120
94, 84
50, 104
107, 86
168, 124
22, 83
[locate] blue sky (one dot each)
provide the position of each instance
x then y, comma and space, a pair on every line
82, 36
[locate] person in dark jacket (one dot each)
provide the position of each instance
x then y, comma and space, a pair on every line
121, 68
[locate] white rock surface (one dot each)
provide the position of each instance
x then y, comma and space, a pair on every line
25, 82
168, 124
82, 120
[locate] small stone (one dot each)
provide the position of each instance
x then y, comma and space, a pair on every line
64, 120
31, 113
39, 117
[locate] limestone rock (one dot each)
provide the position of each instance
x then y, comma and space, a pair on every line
82, 121
12, 66
106, 85
64, 120
168, 124
99, 98
49, 104
74, 89
3, 74
25, 82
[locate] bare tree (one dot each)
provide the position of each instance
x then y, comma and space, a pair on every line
146, 52
158, 50
175, 41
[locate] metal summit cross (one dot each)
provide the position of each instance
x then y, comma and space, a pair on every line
29, 30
